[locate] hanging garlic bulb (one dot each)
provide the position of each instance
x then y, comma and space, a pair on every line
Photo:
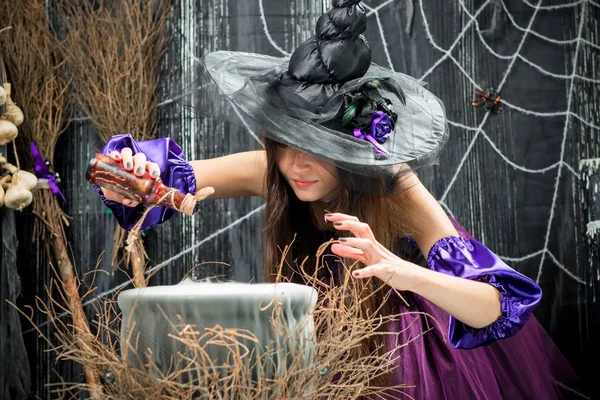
25, 179
2, 96
17, 197
18, 193
10, 168
8, 131
5, 181
13, 112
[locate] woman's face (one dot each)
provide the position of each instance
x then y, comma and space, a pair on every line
311, 180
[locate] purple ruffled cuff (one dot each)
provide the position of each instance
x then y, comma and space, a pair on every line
175, 172
519, 295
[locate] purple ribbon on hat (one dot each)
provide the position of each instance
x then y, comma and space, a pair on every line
381, 129
41, 171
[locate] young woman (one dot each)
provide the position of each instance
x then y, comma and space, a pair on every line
343, 138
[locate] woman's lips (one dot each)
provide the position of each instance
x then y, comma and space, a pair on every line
303, 184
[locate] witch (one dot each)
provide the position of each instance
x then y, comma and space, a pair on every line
344, 139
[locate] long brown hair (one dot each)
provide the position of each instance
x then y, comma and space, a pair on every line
288, 222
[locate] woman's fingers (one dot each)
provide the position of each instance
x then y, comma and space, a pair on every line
358, 229
129, 203
333, 217
383, 272
350, 223
136, 163
113, 196
367, 249
379, 261
115, 155
153, 169
348, 252
127, 156
139, 164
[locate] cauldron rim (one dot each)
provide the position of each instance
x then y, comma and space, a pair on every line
211, 291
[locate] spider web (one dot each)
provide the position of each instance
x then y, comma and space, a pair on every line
472, 28
560, 166
478, 130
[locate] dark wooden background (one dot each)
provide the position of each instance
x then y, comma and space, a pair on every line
511, 179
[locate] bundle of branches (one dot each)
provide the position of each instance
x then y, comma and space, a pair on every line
115, 50
37, 70
335, 367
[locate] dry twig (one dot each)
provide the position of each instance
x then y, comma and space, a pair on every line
335, 367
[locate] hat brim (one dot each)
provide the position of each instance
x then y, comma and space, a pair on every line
247, 81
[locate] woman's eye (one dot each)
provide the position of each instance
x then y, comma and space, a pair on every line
283, 146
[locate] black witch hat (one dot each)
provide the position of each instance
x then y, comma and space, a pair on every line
329, 100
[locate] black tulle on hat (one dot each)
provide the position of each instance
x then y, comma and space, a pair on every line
329, 100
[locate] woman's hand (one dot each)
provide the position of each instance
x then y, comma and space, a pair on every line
380, 262
476, 304
138, 164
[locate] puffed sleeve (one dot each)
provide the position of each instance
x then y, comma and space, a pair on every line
175, 172
519, 295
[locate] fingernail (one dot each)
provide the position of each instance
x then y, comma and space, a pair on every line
155, 173
328, 215
355, 273
343, 239
337, 223
117, 156
139, 171
129, 165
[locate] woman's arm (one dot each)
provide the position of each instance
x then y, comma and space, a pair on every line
486, 299
472, 302
241, 174
234, 175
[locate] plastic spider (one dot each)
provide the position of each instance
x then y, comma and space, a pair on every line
489, 98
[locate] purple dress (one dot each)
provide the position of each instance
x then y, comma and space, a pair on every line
511, 359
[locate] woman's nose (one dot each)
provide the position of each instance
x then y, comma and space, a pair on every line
300, 160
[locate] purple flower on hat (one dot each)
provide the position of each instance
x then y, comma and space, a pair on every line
381, 129
381, 126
